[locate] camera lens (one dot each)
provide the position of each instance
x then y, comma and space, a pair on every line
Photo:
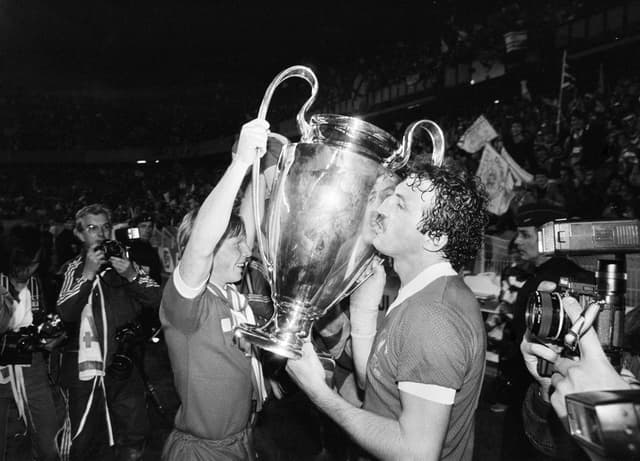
545, 316
611, 280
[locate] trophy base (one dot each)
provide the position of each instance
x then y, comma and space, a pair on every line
269, 342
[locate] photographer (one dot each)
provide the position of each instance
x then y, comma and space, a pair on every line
142, 252
529, 217
591, 372
102, 294
23, 370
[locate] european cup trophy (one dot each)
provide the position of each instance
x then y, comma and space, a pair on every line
318, 222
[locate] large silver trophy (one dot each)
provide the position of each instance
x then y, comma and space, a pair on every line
319, 219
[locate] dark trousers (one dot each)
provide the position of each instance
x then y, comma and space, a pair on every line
43, 423
127, 408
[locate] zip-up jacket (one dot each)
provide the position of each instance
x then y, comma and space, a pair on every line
123, 300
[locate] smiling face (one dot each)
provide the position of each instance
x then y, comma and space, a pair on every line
230, 259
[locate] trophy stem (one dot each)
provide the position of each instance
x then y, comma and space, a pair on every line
284, 333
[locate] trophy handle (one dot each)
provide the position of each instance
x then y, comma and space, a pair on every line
401, 156
293, 71
305, 132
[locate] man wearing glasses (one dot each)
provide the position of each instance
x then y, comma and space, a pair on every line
101, 297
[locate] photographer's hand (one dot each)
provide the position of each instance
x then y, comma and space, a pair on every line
123, 267
533, 351
593, 372
92, 262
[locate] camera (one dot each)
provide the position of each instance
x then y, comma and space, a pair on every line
113, 248
545, 316
546, 319
127, 337
16, 347
607, 422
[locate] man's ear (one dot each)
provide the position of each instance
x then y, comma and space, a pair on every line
434, 244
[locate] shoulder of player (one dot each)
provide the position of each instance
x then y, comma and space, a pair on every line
447, 299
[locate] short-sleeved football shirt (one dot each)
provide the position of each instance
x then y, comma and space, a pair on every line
435, 339
213, 377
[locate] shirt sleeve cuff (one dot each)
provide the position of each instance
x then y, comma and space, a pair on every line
183, 289
431, 392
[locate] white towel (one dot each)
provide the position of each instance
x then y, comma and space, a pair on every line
90, 358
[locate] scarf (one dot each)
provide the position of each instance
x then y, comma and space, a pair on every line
241, 313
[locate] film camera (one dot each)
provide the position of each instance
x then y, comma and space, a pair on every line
113, 248
545, 316
127, 337
16, 347
546, 319
120, 246
606, 422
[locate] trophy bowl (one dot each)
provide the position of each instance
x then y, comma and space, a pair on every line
319, 222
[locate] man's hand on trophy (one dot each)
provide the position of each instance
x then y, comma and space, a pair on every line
252, 141
592, 372
307, 372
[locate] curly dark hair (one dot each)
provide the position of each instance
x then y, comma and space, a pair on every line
459, 210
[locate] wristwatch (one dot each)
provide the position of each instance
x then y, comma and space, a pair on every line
135, 277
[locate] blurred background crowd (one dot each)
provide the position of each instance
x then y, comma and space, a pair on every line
145, 125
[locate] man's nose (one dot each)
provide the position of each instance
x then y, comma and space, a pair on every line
384, 207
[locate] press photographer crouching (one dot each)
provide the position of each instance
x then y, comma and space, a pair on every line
575, 348
102, 294
27, 330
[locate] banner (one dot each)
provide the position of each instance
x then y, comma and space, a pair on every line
495, 174
477, 135
520, 175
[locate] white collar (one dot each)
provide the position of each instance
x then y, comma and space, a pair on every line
421, 280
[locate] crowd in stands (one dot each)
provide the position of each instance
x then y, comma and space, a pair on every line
111, 119
589, 166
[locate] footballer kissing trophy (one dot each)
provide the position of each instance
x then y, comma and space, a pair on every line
316, 244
